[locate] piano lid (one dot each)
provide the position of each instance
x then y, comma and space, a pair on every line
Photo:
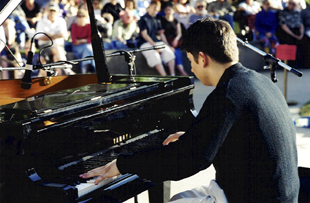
69, 101
6, 8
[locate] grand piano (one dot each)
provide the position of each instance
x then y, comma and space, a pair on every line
51, 133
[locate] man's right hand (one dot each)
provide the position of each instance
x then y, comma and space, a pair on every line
108, 171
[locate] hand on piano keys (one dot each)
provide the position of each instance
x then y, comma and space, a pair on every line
108, 171
173, 137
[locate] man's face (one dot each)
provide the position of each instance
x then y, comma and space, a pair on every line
153, 10
198, 69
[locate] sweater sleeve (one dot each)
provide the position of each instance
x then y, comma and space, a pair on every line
194, 151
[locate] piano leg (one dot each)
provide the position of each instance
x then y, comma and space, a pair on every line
160, 193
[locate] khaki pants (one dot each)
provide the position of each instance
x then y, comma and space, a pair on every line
203, 194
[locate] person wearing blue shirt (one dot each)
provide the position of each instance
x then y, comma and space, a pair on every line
266, 24
150, 27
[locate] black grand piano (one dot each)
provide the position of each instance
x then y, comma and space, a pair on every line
48, 138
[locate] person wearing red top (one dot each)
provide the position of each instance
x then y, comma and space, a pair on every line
80, 35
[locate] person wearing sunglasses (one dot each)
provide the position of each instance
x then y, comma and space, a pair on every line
290, 29
201, 12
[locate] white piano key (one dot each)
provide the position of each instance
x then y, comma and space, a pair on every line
89, 186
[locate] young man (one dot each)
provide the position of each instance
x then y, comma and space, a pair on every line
150, 27
244, 129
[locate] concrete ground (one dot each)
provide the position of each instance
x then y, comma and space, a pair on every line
297, 90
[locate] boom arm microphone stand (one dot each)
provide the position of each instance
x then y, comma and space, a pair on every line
129, 57
274, 62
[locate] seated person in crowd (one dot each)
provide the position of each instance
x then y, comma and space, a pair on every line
32, 11
81, 40
222, 9
10, 32
124, 29
164, 4
113, 8
23, 31
201, 12
150, 27
8, 36
266, 24
131, 6
104, 21
69, 7
250, 9
182, 10
173, 33
55, 27
61, 11
305, 16
97, 8
290, 29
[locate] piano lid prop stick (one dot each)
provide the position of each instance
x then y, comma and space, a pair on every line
103, 74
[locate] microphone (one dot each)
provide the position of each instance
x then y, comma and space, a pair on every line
26, 80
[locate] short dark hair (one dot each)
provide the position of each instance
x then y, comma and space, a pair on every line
213, 37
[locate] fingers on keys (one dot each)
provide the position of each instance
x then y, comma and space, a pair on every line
100, 172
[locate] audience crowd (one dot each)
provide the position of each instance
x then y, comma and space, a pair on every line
126, 24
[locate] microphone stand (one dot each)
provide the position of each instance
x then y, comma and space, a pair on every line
129, 57
273, 62
47, 67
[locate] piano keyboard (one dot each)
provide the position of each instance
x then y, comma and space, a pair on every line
148, 140
89, 186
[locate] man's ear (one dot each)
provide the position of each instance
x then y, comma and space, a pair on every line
203, 59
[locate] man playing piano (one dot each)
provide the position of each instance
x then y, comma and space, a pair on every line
244, 129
